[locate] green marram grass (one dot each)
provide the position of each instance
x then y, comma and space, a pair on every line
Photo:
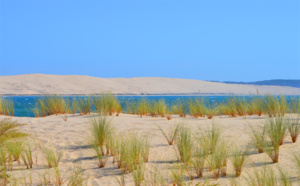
171, 134
10, 130
101, 130
52, 157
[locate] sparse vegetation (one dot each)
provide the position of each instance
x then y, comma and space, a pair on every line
53, 158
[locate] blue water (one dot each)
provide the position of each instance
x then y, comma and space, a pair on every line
24, 104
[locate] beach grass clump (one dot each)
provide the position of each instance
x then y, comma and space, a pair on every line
101, 131
6, 107
198, 161
258, 138
158, 108
53, 158
77, 177
294, 128
197, 107
131, 106
138, 174
131, 151
155, 177
55, 105
101, 159
9, 129
272, 105
294, 105
15, 149
261, 177
239, 158
4, 176
240, 104
49, 105
83, 105
27, 156
184, 143
177, 175
297, 162
107, 103
210, 140
179, 108
211, 111
171, 134
283, 105
143, 107
276, 129
218, 159
257, 105
228, 108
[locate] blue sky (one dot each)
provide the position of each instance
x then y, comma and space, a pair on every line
236, 40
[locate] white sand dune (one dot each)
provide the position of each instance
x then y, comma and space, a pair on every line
78, 84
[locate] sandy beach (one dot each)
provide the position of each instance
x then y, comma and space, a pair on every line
71, 137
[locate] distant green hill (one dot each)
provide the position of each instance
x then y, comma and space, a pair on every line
276, 82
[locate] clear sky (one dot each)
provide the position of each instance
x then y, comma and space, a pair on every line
239, 40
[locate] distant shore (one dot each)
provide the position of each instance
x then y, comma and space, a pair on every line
140, 95
76, 85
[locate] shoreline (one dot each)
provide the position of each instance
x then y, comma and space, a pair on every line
141, 95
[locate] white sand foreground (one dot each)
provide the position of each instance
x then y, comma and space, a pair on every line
71, 137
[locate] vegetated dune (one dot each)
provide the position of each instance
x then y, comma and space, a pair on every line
71, 138
79, 84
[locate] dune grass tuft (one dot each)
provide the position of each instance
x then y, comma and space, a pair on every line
197, 107
180, 108
15, 149
107, 103
294, 128
239, 158
199, 161
258, 138
27, 157
171, 134
9, 130
6, 107
275, 131
101, 130
177, 175
184, 143
53, 158
138, 174
83, 105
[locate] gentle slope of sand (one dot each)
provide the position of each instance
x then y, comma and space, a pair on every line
71, 137
77, 84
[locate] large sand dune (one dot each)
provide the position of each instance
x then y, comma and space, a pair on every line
78, 84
